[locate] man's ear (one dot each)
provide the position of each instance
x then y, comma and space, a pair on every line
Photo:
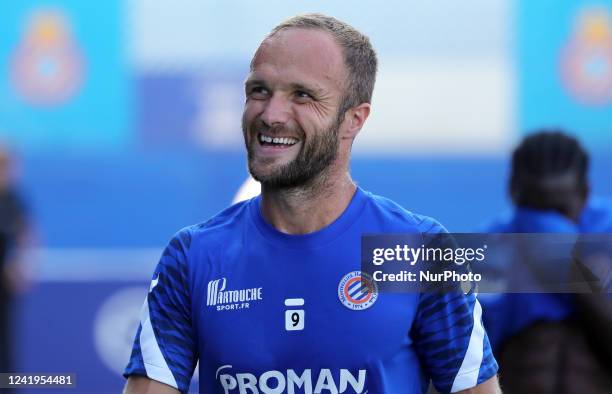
579, 202
354, 118
586, 192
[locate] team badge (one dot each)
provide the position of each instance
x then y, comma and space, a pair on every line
586, 61
357, 291
48, 65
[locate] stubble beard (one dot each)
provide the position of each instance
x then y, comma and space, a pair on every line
309, 167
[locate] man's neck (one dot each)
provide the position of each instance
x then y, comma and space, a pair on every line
307, 209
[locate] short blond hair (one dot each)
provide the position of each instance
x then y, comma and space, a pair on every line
359, 55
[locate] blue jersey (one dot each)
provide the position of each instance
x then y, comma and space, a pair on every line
268, 312
508, 314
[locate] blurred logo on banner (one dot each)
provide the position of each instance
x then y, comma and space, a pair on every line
586, 59
47, 66
115, 326
564, 54
67, 83
219, 110
199, 108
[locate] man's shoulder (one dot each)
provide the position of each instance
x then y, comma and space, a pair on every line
502, 223
399, 219
597, 216
222, 225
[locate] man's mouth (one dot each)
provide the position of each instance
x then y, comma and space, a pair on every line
266, 140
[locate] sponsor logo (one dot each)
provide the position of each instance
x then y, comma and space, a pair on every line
357, 291
224, 300
290, 381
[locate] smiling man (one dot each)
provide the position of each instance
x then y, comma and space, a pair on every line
268, 295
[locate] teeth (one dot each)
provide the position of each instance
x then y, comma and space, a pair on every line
277, 140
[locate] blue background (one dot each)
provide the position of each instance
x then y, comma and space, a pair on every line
119, 166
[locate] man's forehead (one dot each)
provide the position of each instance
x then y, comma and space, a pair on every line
305, 39
307, 51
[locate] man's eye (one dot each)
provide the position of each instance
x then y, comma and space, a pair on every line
258, 92
303, 96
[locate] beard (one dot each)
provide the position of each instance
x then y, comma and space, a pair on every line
316, 155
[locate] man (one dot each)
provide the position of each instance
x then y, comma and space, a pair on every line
552, 343
268, 294
13, 230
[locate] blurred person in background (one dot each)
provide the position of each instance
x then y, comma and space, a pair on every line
552, 343
12, 239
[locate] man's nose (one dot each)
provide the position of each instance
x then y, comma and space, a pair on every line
277, 110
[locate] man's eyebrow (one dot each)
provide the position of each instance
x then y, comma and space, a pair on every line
251, 82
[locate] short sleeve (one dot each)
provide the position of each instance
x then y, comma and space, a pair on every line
165, 347
451, 342
448, 333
